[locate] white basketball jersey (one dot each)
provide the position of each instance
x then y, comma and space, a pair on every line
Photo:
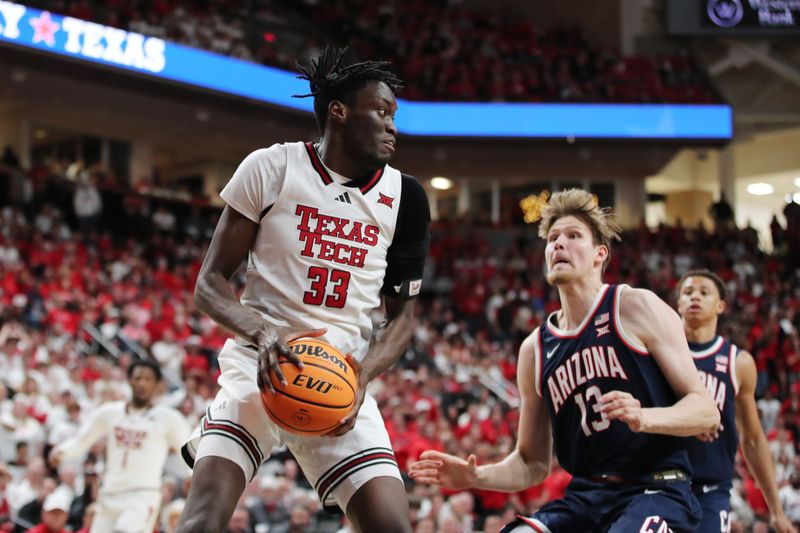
137, 444
319, 257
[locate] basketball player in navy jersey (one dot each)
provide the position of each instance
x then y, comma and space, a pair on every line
729, 374
608, 381
331, 233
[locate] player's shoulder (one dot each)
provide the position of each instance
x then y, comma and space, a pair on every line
633, 301
273, 153
166, 411
414, 198
530, 343
112, 408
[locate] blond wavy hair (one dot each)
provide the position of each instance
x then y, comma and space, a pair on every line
583, 206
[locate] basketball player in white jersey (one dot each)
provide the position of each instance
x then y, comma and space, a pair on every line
139, 435
331, 234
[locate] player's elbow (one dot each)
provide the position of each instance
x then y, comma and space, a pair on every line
201, 293
538, 472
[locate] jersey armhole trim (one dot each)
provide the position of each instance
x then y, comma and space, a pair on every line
537, 362
732, 368
628, 341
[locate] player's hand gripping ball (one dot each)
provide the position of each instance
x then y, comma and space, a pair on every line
316, 397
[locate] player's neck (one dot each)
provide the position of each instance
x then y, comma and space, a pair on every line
700, 333
139, 406
333, 156
577, 298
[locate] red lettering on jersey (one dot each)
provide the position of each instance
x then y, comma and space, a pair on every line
306, 213
314, 225
371, 235
129, 438
310, 239
357, 257
355, 233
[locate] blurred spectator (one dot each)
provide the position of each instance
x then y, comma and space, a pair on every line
54, 514
240, 521
87, 204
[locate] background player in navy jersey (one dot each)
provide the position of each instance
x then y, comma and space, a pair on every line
608, 381
331, 233
729, 375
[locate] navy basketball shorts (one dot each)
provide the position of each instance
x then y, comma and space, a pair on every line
716, 503
649, 507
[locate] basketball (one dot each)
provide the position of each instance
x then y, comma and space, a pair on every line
316, 397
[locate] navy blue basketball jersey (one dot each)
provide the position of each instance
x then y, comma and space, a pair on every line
575, 368
712, 462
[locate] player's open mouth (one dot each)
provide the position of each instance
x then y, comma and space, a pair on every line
389, 144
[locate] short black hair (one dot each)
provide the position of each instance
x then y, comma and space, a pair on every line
147, 364
705, 273
330, 79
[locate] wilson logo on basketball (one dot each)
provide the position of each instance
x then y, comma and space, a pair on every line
316, 397
319, 351
318, 385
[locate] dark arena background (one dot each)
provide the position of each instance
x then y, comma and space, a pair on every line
121, 121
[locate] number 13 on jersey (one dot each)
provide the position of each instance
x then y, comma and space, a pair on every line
592, 395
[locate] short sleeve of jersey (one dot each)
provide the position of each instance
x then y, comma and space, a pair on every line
257, 182
406, 256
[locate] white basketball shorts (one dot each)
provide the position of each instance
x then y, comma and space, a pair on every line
237, 427
132, 511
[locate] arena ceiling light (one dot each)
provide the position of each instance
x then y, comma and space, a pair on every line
796, 197
797, 182
441, 183
760, 189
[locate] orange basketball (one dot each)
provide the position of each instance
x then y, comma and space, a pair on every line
315, 398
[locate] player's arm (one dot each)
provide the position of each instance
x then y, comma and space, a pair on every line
178, 430
94, 428
754, 444
647, 319
214, 296
527, 465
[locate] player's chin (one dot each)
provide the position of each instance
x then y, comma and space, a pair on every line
557, 278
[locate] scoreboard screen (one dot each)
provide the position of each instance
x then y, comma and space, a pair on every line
734, 18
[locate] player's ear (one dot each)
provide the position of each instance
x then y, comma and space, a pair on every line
721, 306
601, 252
337, 111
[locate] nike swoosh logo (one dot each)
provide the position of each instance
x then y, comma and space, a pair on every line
551, 352
648, 491
709, 488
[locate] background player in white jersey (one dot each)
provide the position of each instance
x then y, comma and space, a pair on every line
729, 374
608, 381
331, 234
139, 435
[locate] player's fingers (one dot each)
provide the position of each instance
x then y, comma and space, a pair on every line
275, 367
264, 381
427, 464
434, 455
431, 480
431, 474
283, 350
614, 395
